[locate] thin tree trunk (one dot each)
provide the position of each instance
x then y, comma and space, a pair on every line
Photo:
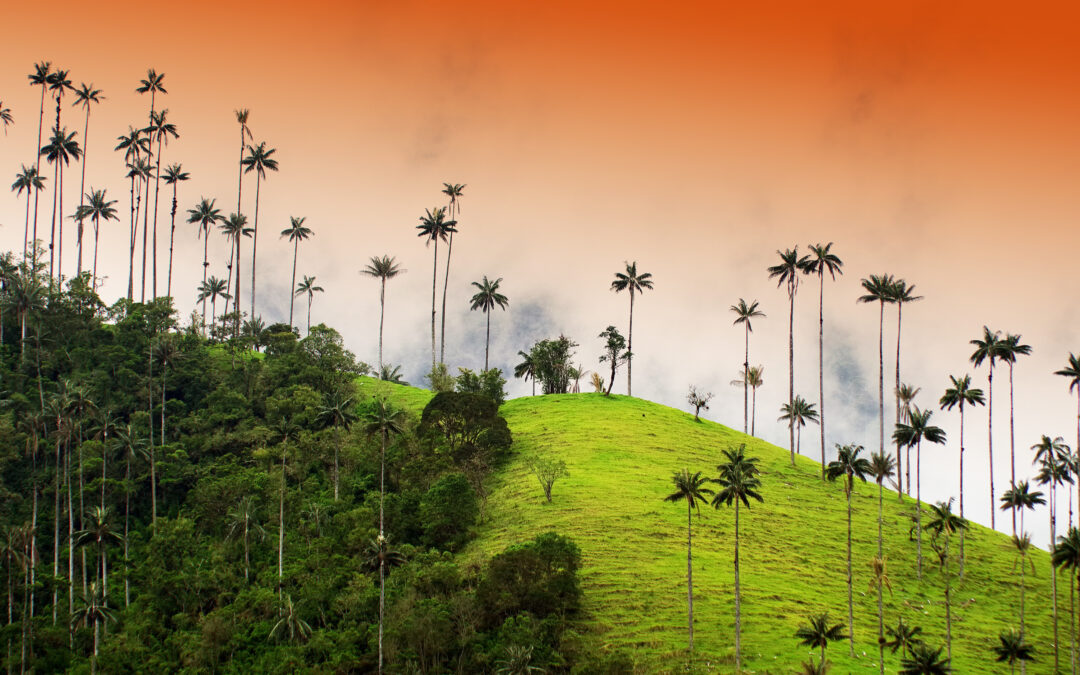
311, 296
850, 605
446, 282
1053, 573
880, 612
753, 415
382, 314
236, 300
962, 488
738, 603
382, 481
746, 377
146, 213
132, 238
281, 518
689, 578
918, 502
337, 453
26, 228
948, 603
157, 192
56, 521
434, 280
821, 366
93, 276
487, 340
82, 185
899, 314
791, 369
37, 152
150, 418
990, 440
172, 237
247, 559
255, 243
881, 402
630, 347
1012, 450
205, 264
382, 604
127, 519
292, 288
52, 227
71, 544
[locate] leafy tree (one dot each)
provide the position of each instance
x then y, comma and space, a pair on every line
944, 523
904, 638
159, 129
849, 466
744, 314
614, 346
234, 228
93, 612
547, 471
913, 434
549, 362
961, 393
691, 489
213, 288
383, 269
633, 282
59, 152
448, 510
989, 348
290, 626
820, 261
298, 232
799, 412
539, 577
435, 226
879, 289
488, 382
467, 423
698, 400
739, 482
486, 299
1013, 649
818, 633
527, 369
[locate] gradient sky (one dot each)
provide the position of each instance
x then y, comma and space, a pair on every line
939, 144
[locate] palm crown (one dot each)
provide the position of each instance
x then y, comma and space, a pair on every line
488, 295
745, 312
259, 159
434, 225
205, 215
385, 267
296, 231
822, 260
631, 280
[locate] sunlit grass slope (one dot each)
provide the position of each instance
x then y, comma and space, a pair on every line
621, 453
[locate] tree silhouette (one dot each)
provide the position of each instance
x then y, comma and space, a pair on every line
691, 489
635, 283
744, 314
486, 299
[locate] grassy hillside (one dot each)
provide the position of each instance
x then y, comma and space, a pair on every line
621, 453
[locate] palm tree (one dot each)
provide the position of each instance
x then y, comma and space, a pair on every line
922, 660
822, 260
881, 467
243, 522
691, 488
152, 84
1066, 553
101, 534
213, 288
1010, 349
286, 429
160, 129
453, 191
380, 556
819, 633
903, 638
1013, 649
739, 482
296, 232
901, 293
989, 349
383, 268
527, 369
59, 152
634, 283
259, 160
905, 398
96, 208
93, 612
134, 145
486, 299
338, 412
133, 446
1020, 496
799, 413
5, 117
879, 289
944, 523
205, 215
174, 175
744, 313
234, 228
242, 118
29, 180
307, 286
850, 466
85, 94
38, 78
961, 393
1053, 457
435, 226
913, 434
290, 623
787, 272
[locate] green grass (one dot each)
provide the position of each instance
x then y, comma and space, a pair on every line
402, 396
621, 453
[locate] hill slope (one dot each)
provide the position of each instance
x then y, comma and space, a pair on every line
621, 453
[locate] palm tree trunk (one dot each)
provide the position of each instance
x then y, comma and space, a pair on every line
850, 605
990, 440
382, 605
382, 314
746, 377
205, 264
236, 300
292, 289
753, 414
962, 488
172, 237
71, 544
37, 151
127, 519
446, 282
310, 297
157, 192
899, 314
132, 238
255, 242
689, 578
56, 521
821, 366
26, 227
1012, 451
281, 519
337, 453
82, 185
487, 340
52, 227
1053, 573
738, 604
93, 276
630, 347
150, 445
247, 559
918, 503
791, 369
880, 613
382, 482
881, 401
434, 279
146, 213
948, 603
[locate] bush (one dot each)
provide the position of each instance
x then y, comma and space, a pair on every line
539, 577
448, 510
490, 383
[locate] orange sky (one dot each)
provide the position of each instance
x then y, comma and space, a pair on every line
936, 143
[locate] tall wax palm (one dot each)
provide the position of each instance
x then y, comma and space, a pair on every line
849, 466
744, 313
243, 522
990, 348
85, 94
29, 180
134, 447
160, 129
798, 413
25, 296
235, 228
738, 482
1012, 649
245, 132
205, 215
166, 352
944, 523
139, 172
101, 534
152, 84
633, 282
911, 434
901, 293
307, 287
98, 207
296, 232
486, 299
213, 288
1072, 371
818, 633
822, 260
961, 393
1053, 458
1020, 497
259, 159
174, 175
526, 369
755, 377
383, 269
338, 413
286, 429
93, 612
59, 84
434, 226
881, 468
59, 152
787, 273
1010, 349
454, 191
879, 289
135, 145
905, 398
691, 489
1066, 554
39, 78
